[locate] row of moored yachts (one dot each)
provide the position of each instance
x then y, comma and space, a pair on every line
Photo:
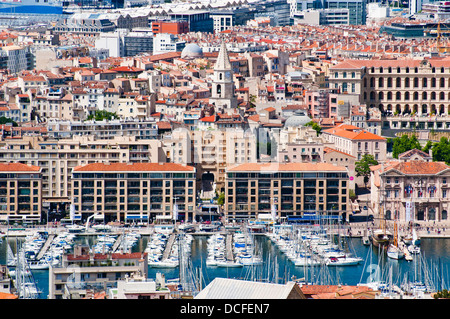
157, 244
243, 252
312, 249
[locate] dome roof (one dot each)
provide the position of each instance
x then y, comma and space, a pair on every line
191, 51
298, 119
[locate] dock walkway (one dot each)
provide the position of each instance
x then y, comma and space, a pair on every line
117, 243
229, 247
168, 248
45, 247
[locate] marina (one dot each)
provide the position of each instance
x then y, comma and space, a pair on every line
313, 255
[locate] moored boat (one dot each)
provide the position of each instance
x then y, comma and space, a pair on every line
395, 252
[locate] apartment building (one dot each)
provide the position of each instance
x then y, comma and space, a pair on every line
167, 42
134, 191
104, 130
299, 144
355, 141
20, 192
57, 158
173, 27
83, 271
293, 189
322, 103
411, 94
413, 188
210, 151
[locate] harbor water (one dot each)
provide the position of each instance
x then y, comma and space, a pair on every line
434, 256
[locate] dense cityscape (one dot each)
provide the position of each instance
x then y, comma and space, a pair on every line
138, 137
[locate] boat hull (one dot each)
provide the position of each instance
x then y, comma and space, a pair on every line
395, 253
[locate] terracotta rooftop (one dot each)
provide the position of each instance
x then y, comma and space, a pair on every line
353, 133
18, 167
286, 167
416, 167
133, 167
138, 255
337, 292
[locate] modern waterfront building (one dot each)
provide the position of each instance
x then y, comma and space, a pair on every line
83, 271
20, 192
56, 159
291, 190
134, 191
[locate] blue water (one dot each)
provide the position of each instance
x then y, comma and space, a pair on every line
435, 251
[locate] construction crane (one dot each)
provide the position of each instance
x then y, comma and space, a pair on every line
439, 36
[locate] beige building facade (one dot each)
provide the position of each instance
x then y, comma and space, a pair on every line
414, 188
20, 192
355, 141
56, 159
410, 93
292, 189
134, 191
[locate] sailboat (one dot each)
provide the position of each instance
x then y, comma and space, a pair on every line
365, 239
394, 251
381, 237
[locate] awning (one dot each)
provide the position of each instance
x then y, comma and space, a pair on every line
136, 217
314, 217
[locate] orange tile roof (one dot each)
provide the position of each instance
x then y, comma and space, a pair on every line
353, 133
114, 256
4, 295
18, 167
211, 119
330, 150
286, 167
412, 63
416, 167
133, 167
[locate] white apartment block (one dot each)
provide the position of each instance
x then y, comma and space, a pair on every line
165, 42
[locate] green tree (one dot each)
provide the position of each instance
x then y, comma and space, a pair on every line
441, 150
442, 294
102, 115
221, 199
362, 167
427, 147
4, 120
403, 144
315, 127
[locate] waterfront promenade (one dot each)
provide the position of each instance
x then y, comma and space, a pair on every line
424, 229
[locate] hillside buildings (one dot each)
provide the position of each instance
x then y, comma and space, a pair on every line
161, 87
